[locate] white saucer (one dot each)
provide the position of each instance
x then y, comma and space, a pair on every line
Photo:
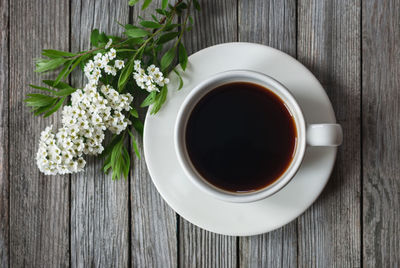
235, 218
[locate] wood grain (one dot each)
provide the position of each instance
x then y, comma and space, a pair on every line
329, 45
154, 232
271, 23
39, 205
275, 249
90, 220
381, 132
215, 23
99, 205
200, 248
4, 179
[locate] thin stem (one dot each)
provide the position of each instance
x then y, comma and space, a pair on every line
162, 21
183, 25
156, 32
165, 17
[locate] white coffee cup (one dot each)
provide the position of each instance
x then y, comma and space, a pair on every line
312, 135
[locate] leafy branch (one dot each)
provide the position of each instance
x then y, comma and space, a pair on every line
153, 42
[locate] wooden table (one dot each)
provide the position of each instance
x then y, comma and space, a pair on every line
352, 47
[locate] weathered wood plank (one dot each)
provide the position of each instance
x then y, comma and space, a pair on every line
215, 23
275, 249
99, 205
4, 179
329, 44
154, 232
381, 132
39, 205
272, 23
200, 248
153, 238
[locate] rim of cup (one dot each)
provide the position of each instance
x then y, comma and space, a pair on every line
208, 85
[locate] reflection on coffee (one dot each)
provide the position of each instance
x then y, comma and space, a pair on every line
240, 137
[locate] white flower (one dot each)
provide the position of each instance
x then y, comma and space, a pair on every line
112, 54
104, 61
152, 69
110, 70
97, 57
119, 64
108, 43
151, 88
137, 65
150, 81
89, 66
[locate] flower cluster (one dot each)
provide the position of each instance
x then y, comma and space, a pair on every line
150, 81
102, 62
91, 112
57, 154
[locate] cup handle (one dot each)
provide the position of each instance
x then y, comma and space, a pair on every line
324, 135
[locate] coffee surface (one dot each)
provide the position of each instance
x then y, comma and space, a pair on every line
240, 137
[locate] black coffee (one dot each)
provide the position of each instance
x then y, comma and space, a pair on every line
240, 137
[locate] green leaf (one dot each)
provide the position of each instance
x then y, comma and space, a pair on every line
134, 113
150, 24
133, 2
160, 99
138, 126
52, 53
126, 50
44, 65
76, 63
126, 163
161, 12
130, 26
146, 3
116, 159
59, 85
181, 6
167, 59
150, 99
135, 33
164, 4
94, 37
170, 27
108, 148
55, 107
196, 5
183, 57
63, 72
103, 38
107, 165
154, 18
40, 110
125, 74
180, 79
159, 48
134, 144
132, 42
38, 100
64, 92
41, 88
166, 37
